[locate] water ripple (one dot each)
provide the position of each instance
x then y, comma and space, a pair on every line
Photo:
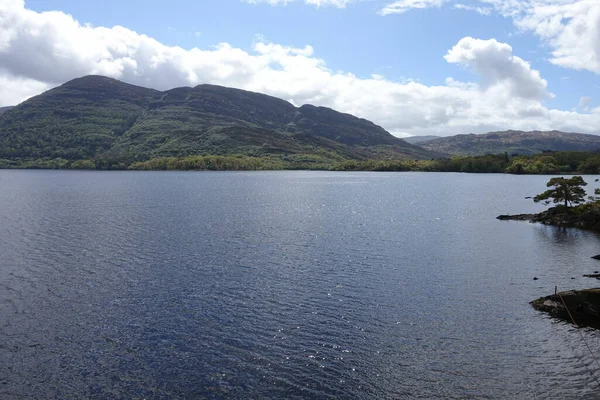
283, 285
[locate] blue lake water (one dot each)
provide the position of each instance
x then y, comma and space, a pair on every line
166, 285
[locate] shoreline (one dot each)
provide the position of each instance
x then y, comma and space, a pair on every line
559, 218
581, 305
372, 159
501, 217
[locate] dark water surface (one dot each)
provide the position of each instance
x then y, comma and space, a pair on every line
284, 285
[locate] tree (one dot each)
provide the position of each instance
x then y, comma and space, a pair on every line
570, 191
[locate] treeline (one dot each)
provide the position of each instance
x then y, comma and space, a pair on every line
545, 163
485, 164
208, 163
198, 163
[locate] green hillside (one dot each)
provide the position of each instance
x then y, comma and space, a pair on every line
116, 124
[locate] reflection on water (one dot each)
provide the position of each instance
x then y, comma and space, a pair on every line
284, 285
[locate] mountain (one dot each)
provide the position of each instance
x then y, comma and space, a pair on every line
513, 142
420, 139
99, 117
3, 109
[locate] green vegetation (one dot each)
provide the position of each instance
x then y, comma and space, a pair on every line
567, 190
566, 162
100, 123
572, 209
575, 212
484, 164
546, 163
324, 159
115, 125
208, 163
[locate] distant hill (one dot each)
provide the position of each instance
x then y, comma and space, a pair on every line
418, 140
513, 142
3, 109
95, 116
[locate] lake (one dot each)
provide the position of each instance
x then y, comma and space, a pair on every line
246, 285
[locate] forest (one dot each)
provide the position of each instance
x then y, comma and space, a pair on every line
539, 164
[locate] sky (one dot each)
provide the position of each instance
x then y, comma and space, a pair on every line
415, 67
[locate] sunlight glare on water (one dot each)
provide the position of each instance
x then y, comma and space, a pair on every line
284, 285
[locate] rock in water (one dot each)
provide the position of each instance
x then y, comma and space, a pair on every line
596, 275
517, 217
584, 306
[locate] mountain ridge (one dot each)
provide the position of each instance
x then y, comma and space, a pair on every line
420, 139
513, 142
96, 116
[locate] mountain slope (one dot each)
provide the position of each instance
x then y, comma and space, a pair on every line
513, 142
96, 116
420, 139
4, 109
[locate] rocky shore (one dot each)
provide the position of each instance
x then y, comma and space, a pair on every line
581, 217
584, 306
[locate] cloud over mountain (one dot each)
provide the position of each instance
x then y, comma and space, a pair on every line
41, 50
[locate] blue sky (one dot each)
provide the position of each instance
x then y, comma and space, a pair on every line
357, 39
354, 39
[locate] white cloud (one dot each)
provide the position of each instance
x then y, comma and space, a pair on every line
571, 28
496, 65
478, 10
584, 103
14, 89
402, 6
41, 50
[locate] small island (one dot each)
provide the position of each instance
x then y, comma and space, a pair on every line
573, 210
